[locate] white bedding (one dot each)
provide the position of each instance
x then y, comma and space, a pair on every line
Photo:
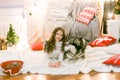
35, 61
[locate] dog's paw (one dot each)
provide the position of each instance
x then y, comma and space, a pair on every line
71, 48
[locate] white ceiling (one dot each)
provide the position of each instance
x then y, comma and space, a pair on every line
11, 3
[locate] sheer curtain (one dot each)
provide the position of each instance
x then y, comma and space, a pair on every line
35, 14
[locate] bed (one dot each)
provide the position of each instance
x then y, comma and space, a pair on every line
36, 62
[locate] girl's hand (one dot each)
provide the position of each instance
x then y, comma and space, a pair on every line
51, 65
57, 64
54, 65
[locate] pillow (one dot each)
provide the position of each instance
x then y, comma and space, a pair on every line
104, 40
86, 15
114, 60
38, 45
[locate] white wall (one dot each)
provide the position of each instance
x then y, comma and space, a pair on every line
11, 3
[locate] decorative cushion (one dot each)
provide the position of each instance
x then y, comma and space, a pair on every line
104, 40
86, 15
114, 60
38, 45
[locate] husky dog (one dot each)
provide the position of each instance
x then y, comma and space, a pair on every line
74, 49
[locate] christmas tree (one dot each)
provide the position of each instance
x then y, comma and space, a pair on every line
117, 7
12, 38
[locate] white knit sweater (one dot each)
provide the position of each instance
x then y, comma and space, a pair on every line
56, 55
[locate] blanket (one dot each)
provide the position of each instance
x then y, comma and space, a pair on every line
73, 28
36, 62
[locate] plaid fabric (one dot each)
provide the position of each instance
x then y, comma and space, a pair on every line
86, 15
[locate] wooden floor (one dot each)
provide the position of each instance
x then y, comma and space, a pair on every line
90, 76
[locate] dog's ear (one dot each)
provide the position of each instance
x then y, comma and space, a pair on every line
71, 41
84, 44
67, 43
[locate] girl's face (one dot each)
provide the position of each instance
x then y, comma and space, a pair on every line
59, 35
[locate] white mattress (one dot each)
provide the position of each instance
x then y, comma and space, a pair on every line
35, 61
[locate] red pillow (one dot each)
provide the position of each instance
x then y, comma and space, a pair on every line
102, 41
86, 15
37, 45
115, 60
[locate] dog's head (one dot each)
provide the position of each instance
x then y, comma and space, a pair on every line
77, 42
75, 48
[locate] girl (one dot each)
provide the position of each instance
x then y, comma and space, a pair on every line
54, 47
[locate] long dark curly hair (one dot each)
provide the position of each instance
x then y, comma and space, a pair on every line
50, 44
